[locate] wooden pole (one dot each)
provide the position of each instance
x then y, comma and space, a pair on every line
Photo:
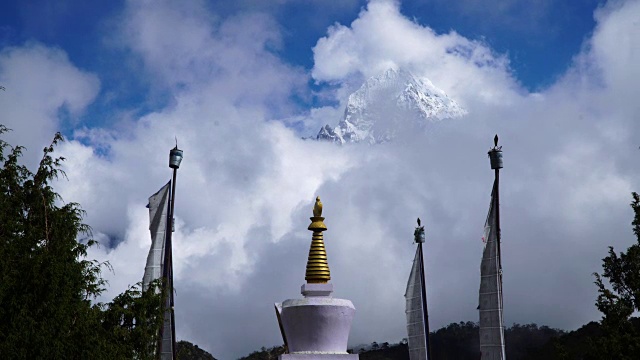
424, 302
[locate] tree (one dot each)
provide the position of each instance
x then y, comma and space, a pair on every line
265, 354
47, 286
621, 298
132, 322
189, 351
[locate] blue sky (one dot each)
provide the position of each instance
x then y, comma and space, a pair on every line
240, 82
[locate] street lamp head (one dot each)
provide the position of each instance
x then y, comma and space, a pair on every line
175, 157
495, 157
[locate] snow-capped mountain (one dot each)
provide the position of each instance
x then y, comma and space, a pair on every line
384, 103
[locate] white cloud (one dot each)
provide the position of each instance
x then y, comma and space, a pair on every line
615, 48
190, 55
40, 82
381, 37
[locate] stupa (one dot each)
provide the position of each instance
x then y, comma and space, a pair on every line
316, 326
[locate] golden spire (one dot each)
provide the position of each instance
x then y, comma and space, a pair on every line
317, 265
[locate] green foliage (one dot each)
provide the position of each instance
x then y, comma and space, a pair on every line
456, 341
45, 283
459, 341
620, 299
389, 352
528, 341
265, 354
47, 286
189, 351
132, 320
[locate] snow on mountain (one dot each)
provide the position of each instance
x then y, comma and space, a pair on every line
385, 103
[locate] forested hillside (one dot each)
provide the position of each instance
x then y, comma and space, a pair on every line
459, 341
455, 341
189, 351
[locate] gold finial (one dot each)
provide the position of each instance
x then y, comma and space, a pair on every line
317, 208
317, 265
317, 223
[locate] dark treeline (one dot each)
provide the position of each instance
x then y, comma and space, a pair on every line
459, 341
265, 354
188, 351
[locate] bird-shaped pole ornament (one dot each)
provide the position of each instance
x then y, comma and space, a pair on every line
495, 154
495, 143
317, 208
418, 234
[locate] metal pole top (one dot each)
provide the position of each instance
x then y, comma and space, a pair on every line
175, 157
495, 155
418, 234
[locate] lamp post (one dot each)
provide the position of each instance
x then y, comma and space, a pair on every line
175, 158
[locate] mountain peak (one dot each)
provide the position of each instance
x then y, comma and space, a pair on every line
386, 102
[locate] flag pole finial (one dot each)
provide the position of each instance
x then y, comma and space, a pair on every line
418, 234
495, 154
